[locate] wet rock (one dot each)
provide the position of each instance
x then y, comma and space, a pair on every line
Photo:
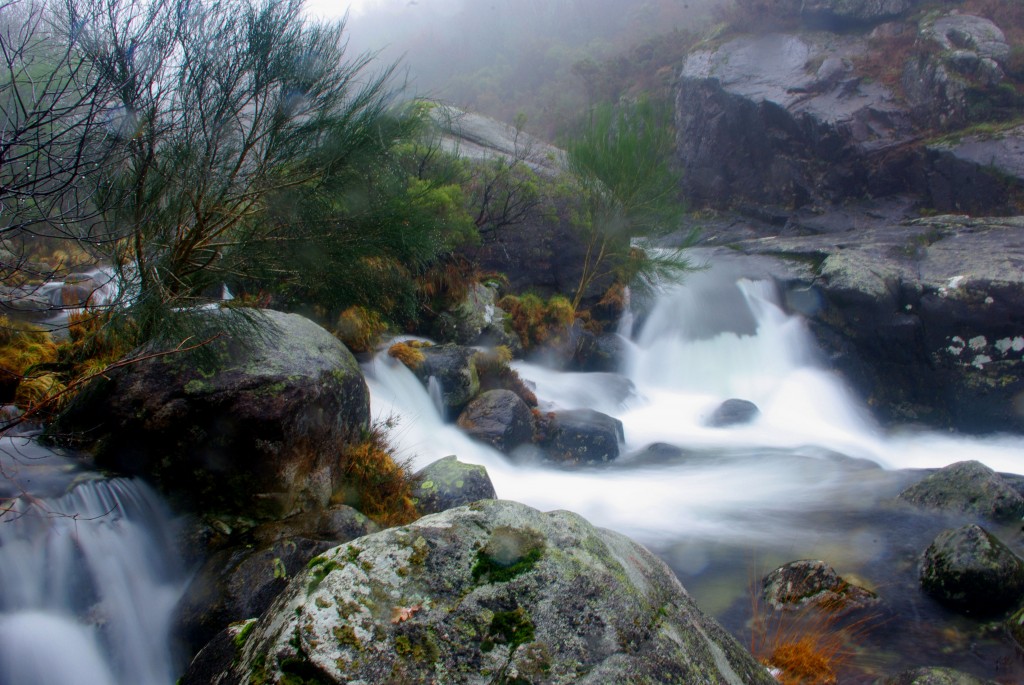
255, 432
454, 368
242, 580
494, 589
733, 412
843, 13
971, 571
475, 320
596, 353
498, 417
448, 483
582, 435
935, 676
813, 582
967, 486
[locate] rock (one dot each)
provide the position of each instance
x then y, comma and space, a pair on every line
259, 435
582, 435
494, 591
968, 486
498, 417
598, 353
973, 572
453, 367
935, 676
841, 14
241, 581
800, 583
733, 412
448, 483
476, 319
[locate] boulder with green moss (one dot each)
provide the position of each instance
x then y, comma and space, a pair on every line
253, 428
971, 571
488, 593
448, 483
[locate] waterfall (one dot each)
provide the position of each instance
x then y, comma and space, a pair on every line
436, 393
90, 579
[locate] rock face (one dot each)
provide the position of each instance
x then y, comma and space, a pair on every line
448, 483
498, 417
492, 592
796, 119
968, 486
970, 570
258, 437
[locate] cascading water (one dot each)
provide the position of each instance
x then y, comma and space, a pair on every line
808, 478
90, 575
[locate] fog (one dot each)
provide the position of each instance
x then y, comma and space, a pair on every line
509, 57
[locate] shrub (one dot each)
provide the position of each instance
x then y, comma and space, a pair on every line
537, 322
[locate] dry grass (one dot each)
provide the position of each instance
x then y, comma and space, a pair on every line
376, 484
811, 646
492, 367
408, 354
537, 322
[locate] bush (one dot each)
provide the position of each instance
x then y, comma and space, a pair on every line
537, 322
376, 484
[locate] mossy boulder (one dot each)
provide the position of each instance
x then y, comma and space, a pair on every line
971, 571
448, 483
492, 592
254, 428
967, 486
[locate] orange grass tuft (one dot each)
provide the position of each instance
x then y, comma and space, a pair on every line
376, 484
409, 355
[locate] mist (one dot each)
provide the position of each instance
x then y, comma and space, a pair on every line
525, 58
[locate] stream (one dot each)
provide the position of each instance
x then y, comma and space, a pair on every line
811, 477
90, 565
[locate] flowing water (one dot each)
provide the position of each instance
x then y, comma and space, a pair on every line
90, 575
811, 477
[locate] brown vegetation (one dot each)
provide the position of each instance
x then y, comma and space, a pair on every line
360, 328
492, 367
376, 484
537, 322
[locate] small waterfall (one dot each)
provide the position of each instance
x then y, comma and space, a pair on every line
436, 394
90, 579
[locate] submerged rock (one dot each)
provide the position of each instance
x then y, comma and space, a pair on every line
258, 433
498, 417
813, 582
970, 570
935, 676
733, 412
494, 592
967, 486
448, 483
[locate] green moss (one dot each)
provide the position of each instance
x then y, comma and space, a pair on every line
196, 387
512, 628
320, 571
242, 635
509, 553
346, 635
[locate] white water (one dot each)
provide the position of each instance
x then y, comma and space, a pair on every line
90, 579
703, 343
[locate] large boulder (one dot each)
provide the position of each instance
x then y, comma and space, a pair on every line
498, 417
257, 431
970, 570
935, 676
968, 486
493, 592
